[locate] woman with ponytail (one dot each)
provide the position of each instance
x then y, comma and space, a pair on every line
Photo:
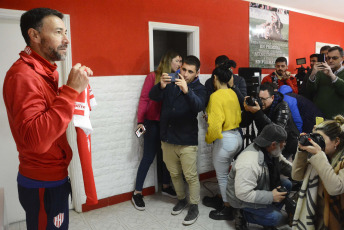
224, 117
321, 199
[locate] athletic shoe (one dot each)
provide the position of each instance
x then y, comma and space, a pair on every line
169, 191
179, 207
192, 215
213, 202
138, 202
226, 213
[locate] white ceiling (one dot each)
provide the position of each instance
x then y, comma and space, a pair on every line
330, 9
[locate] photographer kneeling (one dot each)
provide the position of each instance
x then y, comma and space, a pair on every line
254, 183
321, 199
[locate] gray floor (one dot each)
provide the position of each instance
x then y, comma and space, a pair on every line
156, 216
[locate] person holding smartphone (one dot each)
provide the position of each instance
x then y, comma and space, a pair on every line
148, 122
326, 83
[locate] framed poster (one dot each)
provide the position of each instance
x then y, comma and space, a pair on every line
269, 34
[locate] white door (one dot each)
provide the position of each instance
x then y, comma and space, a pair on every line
11, 43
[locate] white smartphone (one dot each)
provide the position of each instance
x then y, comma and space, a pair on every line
140, 131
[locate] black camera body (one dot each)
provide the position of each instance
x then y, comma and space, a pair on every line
290, 204
282, 189
316, 137
173, 76
251, 101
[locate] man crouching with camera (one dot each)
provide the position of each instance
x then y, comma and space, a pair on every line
255, 187
269, 108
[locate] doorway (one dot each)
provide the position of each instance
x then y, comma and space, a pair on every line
165, 36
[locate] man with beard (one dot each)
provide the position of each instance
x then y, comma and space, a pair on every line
254, 180
38, 114
281, 76
272, 109
326, 83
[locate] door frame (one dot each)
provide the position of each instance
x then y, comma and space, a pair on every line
192, 38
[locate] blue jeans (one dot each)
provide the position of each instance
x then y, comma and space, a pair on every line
269, 216
152, 146
223, 153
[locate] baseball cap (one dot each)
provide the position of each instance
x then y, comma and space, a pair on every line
271, 133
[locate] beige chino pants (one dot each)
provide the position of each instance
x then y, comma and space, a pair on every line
181, 159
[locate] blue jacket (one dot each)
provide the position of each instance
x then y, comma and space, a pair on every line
292, 102
178, 119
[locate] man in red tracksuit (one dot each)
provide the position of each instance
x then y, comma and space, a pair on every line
281, 76
39, 113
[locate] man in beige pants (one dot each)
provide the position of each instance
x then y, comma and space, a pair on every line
183, 97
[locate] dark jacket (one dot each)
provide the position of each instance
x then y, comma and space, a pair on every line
308, 112
278, 113
240, 88
178, 119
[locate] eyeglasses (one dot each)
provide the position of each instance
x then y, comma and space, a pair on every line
333, 58
263, 99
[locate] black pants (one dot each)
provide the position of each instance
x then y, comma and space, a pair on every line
46, 208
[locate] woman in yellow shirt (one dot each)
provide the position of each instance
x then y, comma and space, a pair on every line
224, 117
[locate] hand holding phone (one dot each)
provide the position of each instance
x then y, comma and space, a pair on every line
173, 76
140, 130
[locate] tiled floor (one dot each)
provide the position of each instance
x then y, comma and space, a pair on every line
156, 216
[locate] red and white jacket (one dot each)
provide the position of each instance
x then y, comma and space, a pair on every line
39, 113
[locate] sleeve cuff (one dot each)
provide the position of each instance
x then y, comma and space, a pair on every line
69, 93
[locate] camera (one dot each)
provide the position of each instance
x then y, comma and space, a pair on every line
251, 101
316, 137
282, 189
321, 57
173, 76
290, 204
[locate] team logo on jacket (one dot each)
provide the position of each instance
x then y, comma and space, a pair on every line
58, 220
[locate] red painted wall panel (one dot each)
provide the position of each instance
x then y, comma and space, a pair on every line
111, 36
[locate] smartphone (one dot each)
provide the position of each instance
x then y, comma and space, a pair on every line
318, 120
173, 76
140, 131
321, 57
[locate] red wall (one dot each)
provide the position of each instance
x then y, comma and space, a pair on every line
111, 36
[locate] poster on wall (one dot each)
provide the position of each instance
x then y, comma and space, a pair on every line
269, 34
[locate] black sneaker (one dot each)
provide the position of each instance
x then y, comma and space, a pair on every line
179, 207
213, 202
225, 214
192, 215
240, 222
169, 192
138, 202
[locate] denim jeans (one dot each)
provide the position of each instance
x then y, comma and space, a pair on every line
269, 216
224, 151
152, 146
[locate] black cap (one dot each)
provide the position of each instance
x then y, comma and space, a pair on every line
270, 133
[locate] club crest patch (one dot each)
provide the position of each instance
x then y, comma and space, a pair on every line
58, 220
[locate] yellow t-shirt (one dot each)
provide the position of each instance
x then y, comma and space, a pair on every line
224, 113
